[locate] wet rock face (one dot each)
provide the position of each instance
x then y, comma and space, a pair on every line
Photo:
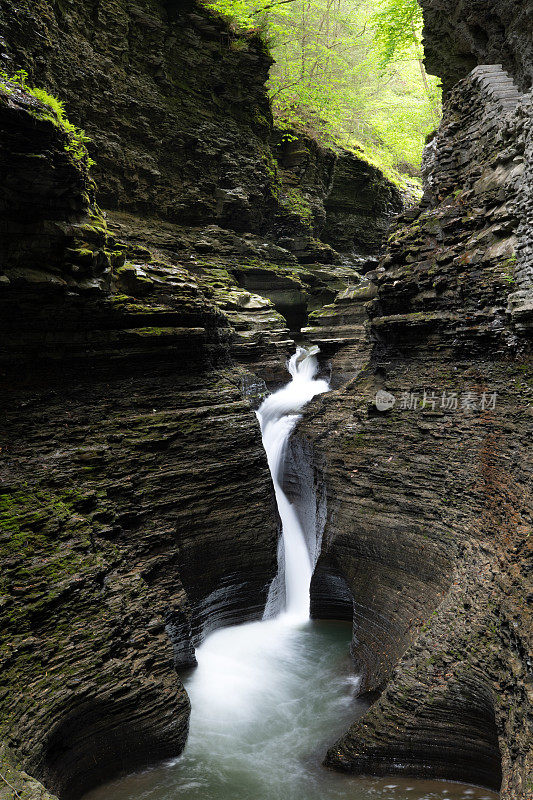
181, 133
429, 505
125, 549
176, 108
136, 509
16, 780
349, 202
461, 34
359, 207
53, 233
136, 501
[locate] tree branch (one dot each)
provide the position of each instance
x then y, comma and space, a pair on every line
271, 5
10, 786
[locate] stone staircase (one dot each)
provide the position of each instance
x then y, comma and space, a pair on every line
508, 100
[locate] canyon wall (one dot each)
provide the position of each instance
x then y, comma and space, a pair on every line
144, 300
134, 483
460, 35
141, 316
428, 490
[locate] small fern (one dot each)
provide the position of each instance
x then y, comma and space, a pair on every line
77, 138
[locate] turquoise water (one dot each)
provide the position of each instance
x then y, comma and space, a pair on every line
268, 698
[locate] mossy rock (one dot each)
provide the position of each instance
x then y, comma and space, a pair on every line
134, 280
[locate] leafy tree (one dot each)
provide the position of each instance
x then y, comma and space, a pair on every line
348, 71
397, 32
397, 25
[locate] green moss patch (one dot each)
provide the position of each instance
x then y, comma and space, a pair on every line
51, 109
44, 545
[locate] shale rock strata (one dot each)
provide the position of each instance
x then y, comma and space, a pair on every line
460, 35
136, 506
429, 505
175, 106
134, 483
174, 103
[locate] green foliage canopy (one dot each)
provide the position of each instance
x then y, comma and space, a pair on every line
348, 71
396, 28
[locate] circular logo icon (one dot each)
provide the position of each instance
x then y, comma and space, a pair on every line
384, 401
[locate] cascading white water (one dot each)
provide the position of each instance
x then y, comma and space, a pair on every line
268, 697
243, 668
277, 417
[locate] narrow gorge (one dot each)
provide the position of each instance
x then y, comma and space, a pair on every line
347, 615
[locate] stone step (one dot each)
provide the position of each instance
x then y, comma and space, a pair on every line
498, 84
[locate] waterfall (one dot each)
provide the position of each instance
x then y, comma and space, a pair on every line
277, 417
256, 716
268, 698
244, 669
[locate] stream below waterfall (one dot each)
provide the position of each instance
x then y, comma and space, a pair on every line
269, 697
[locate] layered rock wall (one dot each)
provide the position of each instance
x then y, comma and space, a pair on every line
136, 506
349, 203
136, 503
174, 104
429, 500
461, 35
